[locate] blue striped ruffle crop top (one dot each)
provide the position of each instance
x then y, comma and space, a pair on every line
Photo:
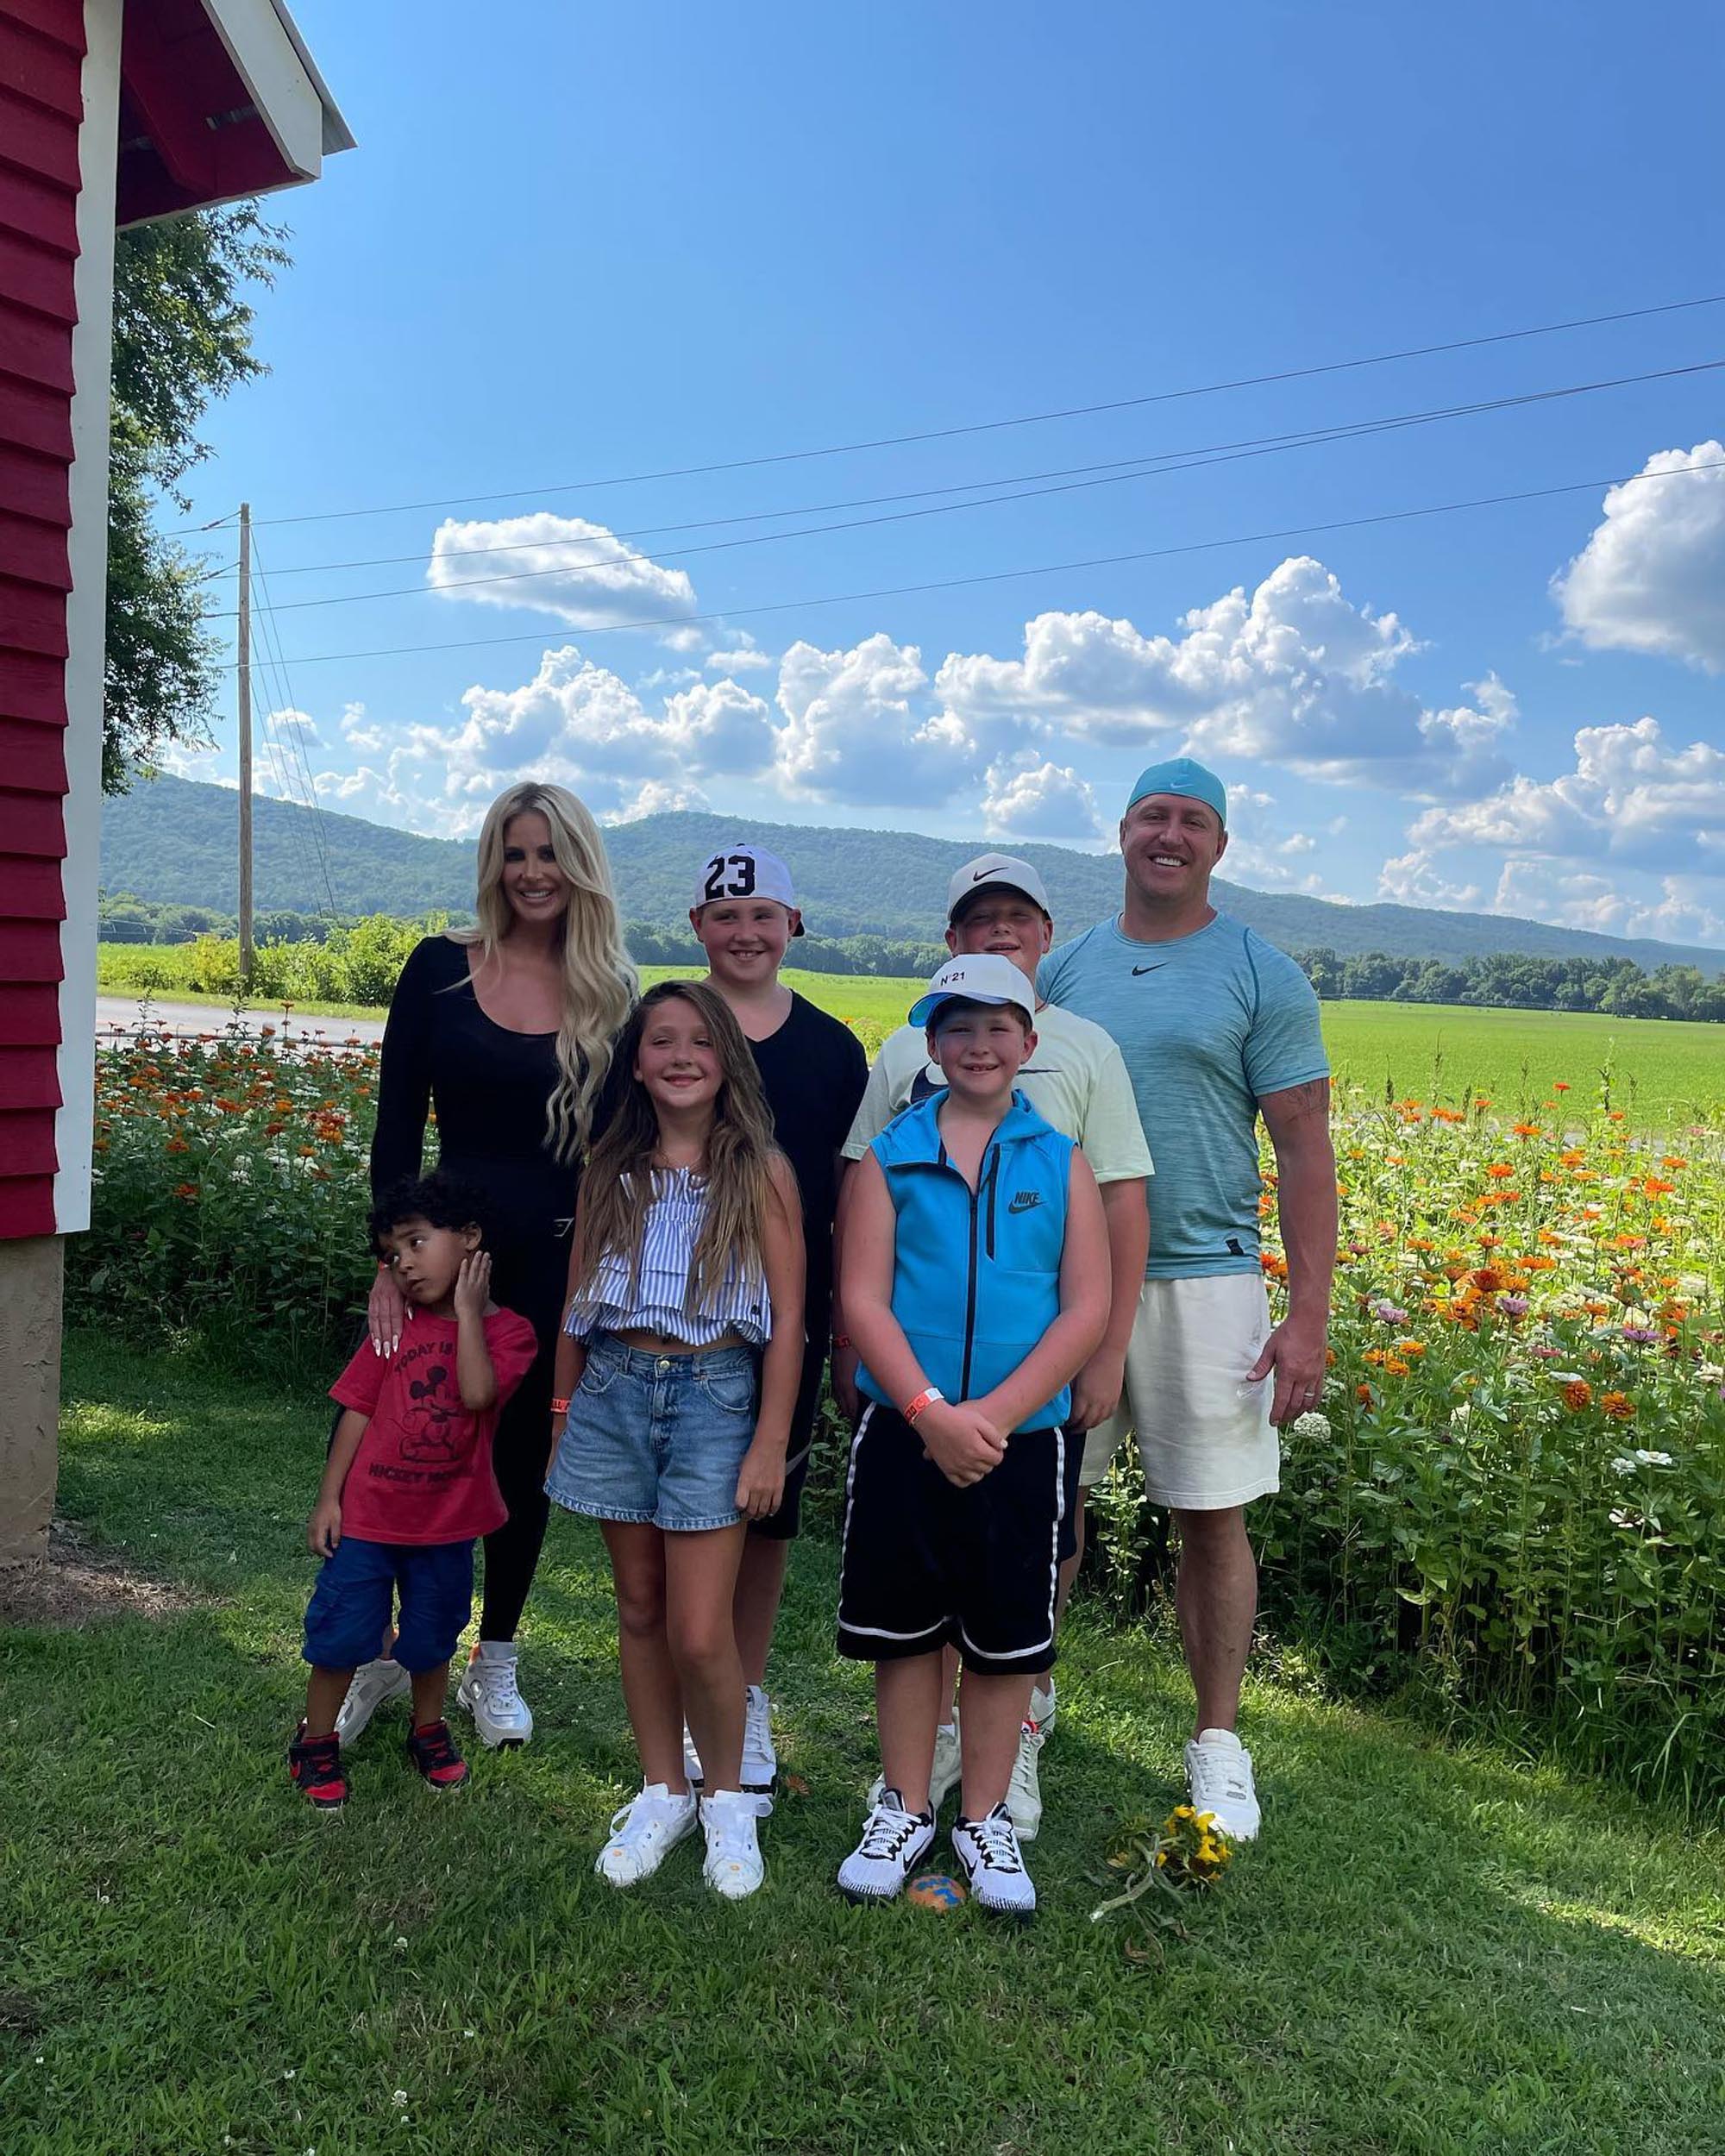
657, 1303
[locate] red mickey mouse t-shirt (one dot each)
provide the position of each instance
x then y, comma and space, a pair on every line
423, 1473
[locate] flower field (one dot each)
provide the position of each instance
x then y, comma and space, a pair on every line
1516, 1487
1519, 1468
230, 1195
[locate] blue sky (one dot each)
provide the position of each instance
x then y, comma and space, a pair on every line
577, 245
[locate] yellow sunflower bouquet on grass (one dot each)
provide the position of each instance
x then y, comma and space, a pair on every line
1182, 1858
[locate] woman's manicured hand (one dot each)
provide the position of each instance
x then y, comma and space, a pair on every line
386, 1311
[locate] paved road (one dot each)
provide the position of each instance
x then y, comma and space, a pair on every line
120, 1013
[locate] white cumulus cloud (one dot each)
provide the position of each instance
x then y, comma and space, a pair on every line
581, 572
1292, 673
856, 732
1652, 576
1633, 797
1025, 797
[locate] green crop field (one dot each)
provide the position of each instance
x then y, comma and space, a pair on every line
1658, 1068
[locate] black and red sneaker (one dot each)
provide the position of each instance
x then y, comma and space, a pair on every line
432, 1750
314, 1766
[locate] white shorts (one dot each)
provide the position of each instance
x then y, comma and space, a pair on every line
1204, 1434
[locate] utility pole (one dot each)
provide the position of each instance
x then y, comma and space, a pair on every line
245, 670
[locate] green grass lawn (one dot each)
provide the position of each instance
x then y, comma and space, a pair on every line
1428, 1951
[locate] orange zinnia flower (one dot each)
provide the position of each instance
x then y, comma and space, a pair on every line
1618, 1406
1578, 1395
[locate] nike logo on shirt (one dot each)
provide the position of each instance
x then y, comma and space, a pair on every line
1157, 968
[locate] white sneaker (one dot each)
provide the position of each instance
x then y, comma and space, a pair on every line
988, 1855
1043, 1707
1024, 1791
374, 1683
894, 1842
644, 1833
491, 1694
692, 1761
1218, 1776
760, 1761
943, 1777
733, 1866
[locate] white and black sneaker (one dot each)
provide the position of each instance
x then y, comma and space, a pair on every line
894, 1842
760, 1759
993, 1864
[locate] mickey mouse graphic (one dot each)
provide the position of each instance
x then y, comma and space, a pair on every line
433, 1428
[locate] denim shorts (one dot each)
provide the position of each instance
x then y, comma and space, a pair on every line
350, 1605
658, 1439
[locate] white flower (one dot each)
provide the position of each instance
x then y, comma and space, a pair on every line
1652, 1459
1311, 1424
1461, 1412
400, 2097
1622, 1518
1623, 1464
401, 1946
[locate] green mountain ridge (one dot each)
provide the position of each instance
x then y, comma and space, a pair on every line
174, 840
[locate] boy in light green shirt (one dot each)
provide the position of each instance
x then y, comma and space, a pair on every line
1077, 1080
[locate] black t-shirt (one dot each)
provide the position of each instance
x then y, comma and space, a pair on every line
813, 1071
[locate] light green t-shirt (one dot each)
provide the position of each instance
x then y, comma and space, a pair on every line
1077, 1080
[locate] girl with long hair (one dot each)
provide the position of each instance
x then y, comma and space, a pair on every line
675, 1380
505, 1032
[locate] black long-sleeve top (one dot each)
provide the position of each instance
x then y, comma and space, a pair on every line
490, 1087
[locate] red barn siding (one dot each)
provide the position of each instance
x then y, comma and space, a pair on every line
41, 55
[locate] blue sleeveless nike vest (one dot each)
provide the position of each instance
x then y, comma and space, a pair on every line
977, 1275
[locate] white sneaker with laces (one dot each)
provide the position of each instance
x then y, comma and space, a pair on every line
733, 1866
943, 1777
491, 1693
1219, 1777
1024, 1791
760, 1759
989, 1857
373, 1683
644, 1833
1043, 1707
894, 1842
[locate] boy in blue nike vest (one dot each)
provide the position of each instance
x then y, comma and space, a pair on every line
974, 1286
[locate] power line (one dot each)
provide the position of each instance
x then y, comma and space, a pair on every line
993, 426
1046, 568
272, 642
1172, 462
1133, 466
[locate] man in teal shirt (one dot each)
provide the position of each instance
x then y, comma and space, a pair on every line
1216, 1027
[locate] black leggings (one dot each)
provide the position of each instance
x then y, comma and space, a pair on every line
519, 1451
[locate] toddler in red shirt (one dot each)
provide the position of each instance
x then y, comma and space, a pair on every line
409, 1486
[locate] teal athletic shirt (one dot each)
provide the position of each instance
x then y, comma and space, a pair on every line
1207, 1025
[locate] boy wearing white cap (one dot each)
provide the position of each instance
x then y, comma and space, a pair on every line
1218, 1027
813, 1069
1077, 1080
975, 1289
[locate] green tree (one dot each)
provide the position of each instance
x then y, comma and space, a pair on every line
182, 338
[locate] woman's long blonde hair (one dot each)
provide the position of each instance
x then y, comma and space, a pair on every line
617, 1187
599, 984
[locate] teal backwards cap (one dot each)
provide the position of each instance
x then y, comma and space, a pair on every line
1192, 781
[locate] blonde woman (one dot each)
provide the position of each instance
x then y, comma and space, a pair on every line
506, 1030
